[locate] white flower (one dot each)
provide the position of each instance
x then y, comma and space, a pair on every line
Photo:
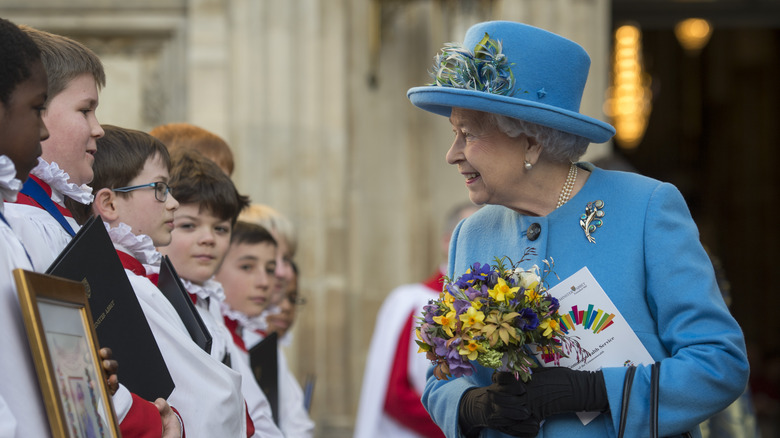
528, 279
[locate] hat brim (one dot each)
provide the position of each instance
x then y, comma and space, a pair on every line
441, 100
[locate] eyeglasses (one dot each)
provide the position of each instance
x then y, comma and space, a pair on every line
294, 299
161, 189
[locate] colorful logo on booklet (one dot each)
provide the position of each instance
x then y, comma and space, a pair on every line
595, 320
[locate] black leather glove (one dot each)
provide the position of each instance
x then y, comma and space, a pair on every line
499, 406
559, 390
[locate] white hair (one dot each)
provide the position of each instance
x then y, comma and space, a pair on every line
558, 145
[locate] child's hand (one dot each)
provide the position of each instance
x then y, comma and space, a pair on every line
110, 367
170, 421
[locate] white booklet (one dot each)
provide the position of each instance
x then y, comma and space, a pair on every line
588, 315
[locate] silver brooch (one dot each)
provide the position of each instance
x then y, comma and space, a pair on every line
591, 219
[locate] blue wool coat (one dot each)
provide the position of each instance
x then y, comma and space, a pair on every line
648, 259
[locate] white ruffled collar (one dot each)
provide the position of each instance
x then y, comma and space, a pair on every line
139, 246
258, 323
247, 322
57, 179
210, 289
9, 184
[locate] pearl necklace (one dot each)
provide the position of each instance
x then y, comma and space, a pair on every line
567, 186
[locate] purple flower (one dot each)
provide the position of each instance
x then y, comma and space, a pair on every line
440, 347
527, 321
429, 311
460, 368
554, 305
472, 293
461, 306
452, 352
479, 272
424, 333
459, 365
492, 279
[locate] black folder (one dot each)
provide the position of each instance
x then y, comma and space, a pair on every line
119, 320
264, 360
171, 286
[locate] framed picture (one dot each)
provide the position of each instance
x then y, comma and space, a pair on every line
65, 350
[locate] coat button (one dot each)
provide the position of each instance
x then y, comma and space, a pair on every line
533, 231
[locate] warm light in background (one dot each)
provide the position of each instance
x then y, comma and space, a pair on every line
628, 101
693, 33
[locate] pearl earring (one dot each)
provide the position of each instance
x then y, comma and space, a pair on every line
527, 164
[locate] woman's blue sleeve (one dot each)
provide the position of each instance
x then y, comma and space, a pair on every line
701, 346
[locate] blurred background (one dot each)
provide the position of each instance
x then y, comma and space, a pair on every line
311, 96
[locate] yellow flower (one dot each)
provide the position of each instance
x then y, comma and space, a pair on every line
550, 326
448, 300
447, 322
470, 348
421, 343
502, 292
531, 295
472, 317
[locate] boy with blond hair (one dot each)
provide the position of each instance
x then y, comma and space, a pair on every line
40, 216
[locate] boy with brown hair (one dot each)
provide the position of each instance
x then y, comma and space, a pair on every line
132, 196
209, 206
247, 275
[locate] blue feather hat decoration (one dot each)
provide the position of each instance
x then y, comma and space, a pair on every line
515, 70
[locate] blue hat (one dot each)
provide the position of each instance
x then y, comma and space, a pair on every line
515, 70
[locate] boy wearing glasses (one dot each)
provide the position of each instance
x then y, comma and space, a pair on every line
133, 198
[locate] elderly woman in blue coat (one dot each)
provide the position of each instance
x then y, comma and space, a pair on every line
512, 94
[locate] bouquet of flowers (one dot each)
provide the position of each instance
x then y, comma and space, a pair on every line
499, 315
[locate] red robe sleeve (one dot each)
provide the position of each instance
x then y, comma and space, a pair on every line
142, 420
402, 401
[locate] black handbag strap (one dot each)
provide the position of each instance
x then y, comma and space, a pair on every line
655, 372
627, 381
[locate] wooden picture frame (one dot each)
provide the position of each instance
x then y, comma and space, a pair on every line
65, 351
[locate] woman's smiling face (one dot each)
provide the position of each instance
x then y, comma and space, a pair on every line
489, 160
